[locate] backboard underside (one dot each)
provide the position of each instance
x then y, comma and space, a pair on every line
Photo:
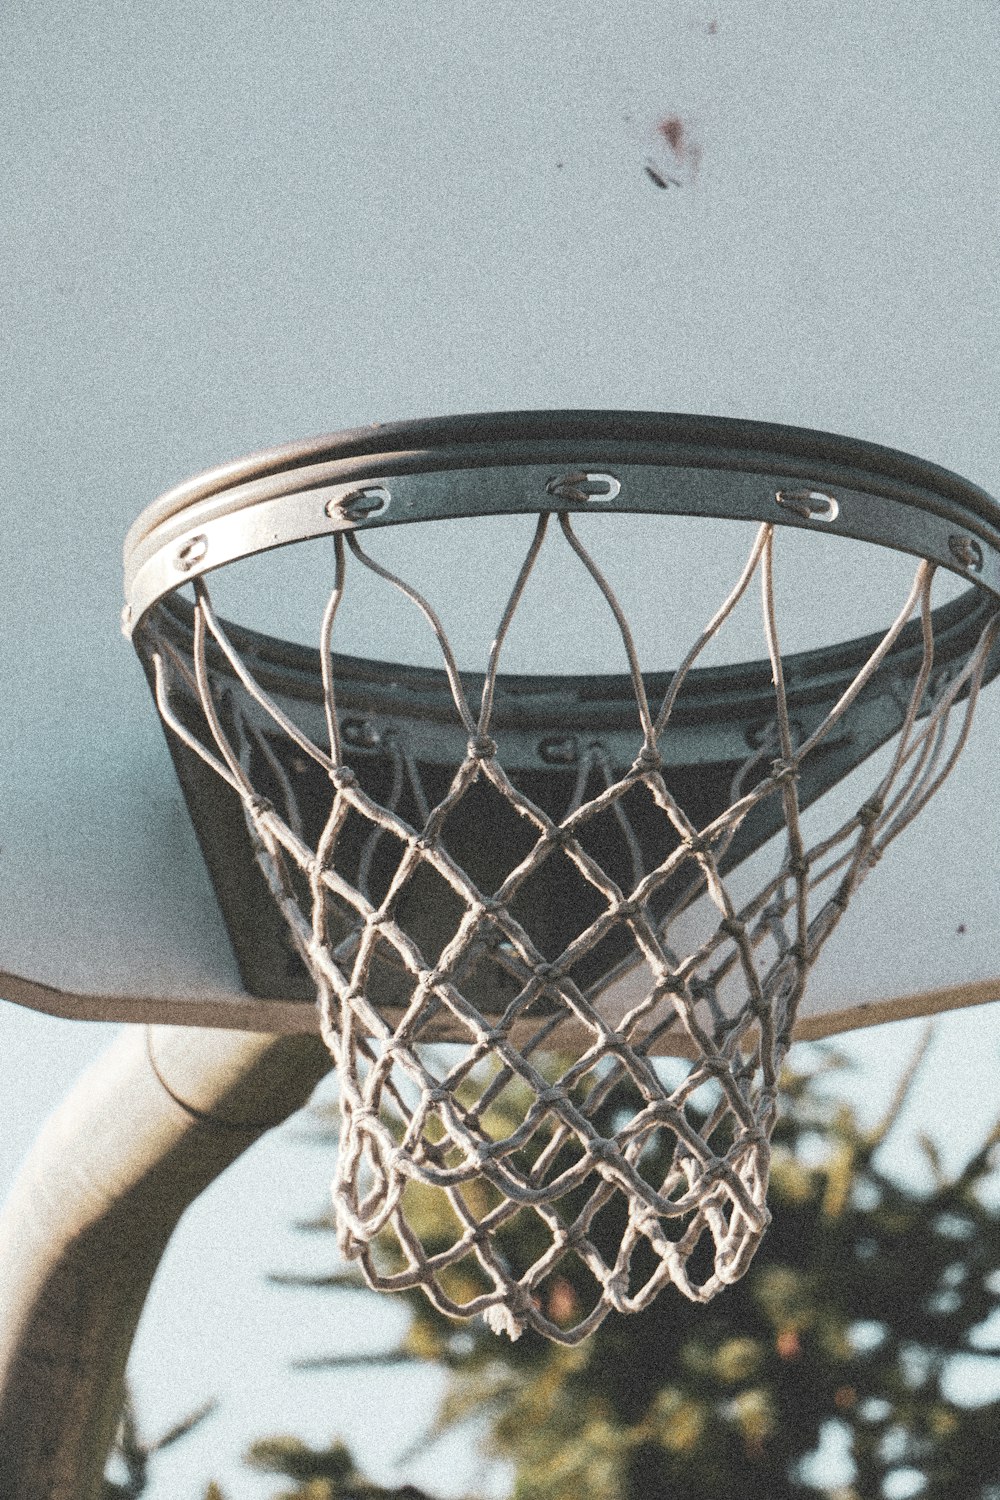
159, 951
237, 932
513, 232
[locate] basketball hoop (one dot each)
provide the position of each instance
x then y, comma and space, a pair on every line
466, 865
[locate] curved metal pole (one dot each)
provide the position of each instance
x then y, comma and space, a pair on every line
145, 1130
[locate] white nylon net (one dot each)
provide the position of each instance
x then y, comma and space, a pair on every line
540, 1169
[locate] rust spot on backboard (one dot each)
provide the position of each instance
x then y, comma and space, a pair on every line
672, 131
677, 155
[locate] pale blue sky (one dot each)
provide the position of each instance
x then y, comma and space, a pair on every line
214, 1327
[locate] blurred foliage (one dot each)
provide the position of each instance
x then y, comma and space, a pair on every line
848, 1323
131, 1455
326, 1475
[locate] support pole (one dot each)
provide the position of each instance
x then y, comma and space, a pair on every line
143, 1132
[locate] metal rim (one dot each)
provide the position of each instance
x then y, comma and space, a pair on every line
721, 706
526, 462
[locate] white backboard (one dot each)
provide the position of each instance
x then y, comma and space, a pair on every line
249, 228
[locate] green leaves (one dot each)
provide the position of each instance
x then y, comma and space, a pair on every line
863, 1295
852, 1317
296, 1460
320, 1474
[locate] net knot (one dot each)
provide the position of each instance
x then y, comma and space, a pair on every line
616, 1290
785, 771
696, 844
671, 984
545, 972
481, 747
569, 1237
259, 806
342, 777
648, 759
869, 812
